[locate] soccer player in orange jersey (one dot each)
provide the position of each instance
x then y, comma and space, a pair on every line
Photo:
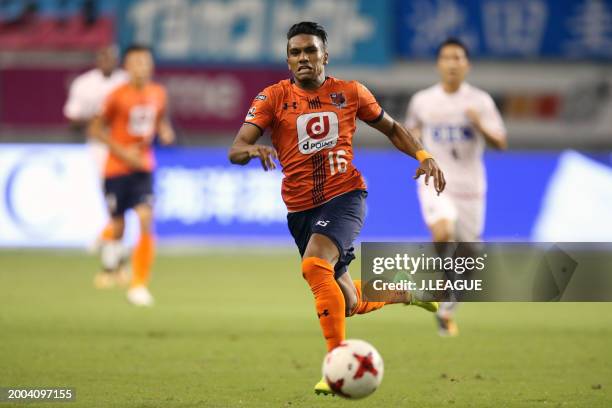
85, 98
131, 117
312, 118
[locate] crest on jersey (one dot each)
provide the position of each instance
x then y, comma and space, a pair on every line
338, 99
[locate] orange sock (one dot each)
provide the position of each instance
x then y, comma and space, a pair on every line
364, 307
143, 254
329, 300
107, 232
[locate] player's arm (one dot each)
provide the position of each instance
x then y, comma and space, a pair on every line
245, 147
74, 107
166, 132
495, 139
98, 129
406, 142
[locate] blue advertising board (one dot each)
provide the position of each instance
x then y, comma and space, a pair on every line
50, 195
253, 31
568, 29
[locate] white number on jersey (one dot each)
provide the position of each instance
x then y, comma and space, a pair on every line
142, 120
337, 162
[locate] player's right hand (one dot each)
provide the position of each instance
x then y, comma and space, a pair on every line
430, 168
266, 155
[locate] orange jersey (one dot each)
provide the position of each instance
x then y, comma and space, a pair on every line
133, 116
312, 131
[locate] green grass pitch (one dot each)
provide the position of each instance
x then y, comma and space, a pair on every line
235, 330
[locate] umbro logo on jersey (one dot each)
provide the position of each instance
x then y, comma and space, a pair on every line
317, 131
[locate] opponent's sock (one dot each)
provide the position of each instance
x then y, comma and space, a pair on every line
364, 307
107, 233
143, 254
329, 300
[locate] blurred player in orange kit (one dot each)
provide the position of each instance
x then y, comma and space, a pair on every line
313, 118
85, 98
455, 121
131, 117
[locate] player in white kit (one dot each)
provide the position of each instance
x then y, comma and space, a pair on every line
455, 121
85, 99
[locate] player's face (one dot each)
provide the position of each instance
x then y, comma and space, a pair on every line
139, 65
306, 58
106, 60
453, 64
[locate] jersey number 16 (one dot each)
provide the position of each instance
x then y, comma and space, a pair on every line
337, 162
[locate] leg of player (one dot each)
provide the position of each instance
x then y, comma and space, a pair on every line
443, 230
142, 258
318, 262
111, 253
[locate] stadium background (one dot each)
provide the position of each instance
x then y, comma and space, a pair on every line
546, 63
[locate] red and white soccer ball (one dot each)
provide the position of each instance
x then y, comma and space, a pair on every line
354, 369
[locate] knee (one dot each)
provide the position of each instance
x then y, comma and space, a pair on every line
442, 231
118, 226
443, 236
145, 218
314, 269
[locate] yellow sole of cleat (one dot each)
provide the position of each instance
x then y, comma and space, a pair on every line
429, 306
322, 392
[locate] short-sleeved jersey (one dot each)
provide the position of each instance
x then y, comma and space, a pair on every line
89, 90
449, 136
312, 131
133, 115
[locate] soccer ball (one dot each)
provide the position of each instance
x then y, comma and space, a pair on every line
354, 369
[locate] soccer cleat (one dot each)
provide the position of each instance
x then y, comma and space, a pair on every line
447, 327
429, 306
322, 388
140, 296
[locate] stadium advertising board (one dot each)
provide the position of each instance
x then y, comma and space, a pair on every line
51, 197
568, 29
212, 99
253, 31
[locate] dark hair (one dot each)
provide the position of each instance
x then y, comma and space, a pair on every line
307, 27
453, 41
136, 48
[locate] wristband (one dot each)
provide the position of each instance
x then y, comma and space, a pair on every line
422, 155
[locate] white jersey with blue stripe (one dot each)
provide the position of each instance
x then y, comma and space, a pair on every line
450, 137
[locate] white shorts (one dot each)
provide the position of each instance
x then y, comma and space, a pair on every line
467, 212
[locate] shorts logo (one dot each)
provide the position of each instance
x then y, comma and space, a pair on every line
317, 131
322, 223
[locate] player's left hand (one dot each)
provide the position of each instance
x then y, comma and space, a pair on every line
430, 168
166, 135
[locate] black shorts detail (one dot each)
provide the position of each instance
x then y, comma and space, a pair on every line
340, 219
128, 191
318, 178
